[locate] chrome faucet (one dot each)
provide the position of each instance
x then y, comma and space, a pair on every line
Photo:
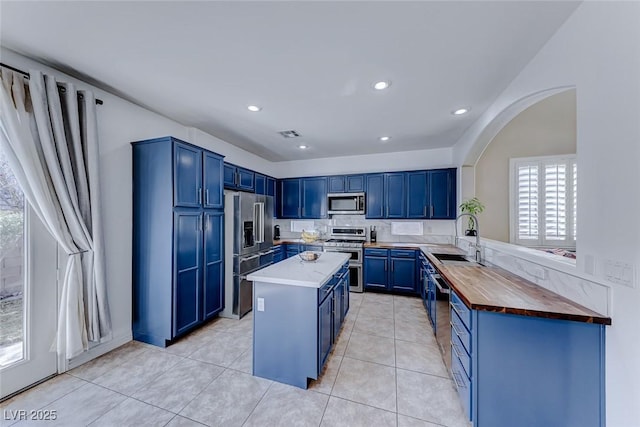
477, 244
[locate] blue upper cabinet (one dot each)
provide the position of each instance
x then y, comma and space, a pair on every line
354, 183
417, 202
212, 177
336, 184
271, 186
314, 198
375, 196
289, 198
346, 183
442, 193
260, 183
395, 189
432, 194
237, 178
187, 190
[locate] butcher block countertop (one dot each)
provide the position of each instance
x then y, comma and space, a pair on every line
490, 288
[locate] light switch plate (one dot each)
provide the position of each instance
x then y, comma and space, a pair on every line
622, 273
260, 304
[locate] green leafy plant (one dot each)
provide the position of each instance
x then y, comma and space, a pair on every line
474, 207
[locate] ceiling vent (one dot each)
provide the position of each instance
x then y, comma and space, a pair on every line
289, 133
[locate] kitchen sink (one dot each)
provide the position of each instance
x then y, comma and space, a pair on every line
455, 259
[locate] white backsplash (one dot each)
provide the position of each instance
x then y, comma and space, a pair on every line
434, 231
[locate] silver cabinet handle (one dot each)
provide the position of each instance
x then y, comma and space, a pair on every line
267, 252
393, 262
199, 195
249, 258
431, 211
206, 196
385, 265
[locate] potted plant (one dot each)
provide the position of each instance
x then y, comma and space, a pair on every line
474, 207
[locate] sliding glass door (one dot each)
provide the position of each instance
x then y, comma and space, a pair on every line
28, 295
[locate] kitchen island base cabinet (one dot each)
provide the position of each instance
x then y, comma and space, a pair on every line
513, 370
295, 327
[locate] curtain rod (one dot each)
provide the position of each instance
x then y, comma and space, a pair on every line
24, 73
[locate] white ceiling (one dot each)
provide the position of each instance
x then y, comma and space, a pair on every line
309, 65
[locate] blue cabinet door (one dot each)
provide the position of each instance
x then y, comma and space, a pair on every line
325, 330
289, 196
213, 280
354, 183
260, 184
402, 274
187, 187
188, 270
417, 195
346, 301
230, 177
314, 198
442, 194
431, 303
375, 196
375, 272
271, 187
336, 184
212, 177
245, 179
338, 298
395, 190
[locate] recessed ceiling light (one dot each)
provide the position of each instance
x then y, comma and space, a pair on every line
382, 85
460, 111
303, 147
385, 138
254, 108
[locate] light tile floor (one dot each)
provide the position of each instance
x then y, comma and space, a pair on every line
385, 370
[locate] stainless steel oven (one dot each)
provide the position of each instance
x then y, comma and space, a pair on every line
349, 240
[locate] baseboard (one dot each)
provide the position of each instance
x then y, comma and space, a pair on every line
98, 351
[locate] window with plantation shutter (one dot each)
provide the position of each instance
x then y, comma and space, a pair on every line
543, 201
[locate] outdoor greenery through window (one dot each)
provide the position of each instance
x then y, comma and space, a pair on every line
544, 201
11, 266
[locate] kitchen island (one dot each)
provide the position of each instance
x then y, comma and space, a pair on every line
299, 308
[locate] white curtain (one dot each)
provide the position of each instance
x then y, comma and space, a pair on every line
49, 134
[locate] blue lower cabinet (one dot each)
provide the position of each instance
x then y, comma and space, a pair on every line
512, 370
390, 270
188, 273
297, 328
278, 253
213, 279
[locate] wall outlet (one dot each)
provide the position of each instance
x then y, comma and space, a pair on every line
260, 304
622, 273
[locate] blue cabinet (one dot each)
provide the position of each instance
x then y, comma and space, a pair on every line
213, 280
178, 266
294, 335
561, 363
395, 194
188, 175
302, 198
390, 270
271, 187
260, 183
346, 183
289, 198
375, 196
314, 198
238, 178
442, 194
432, 194
278, 253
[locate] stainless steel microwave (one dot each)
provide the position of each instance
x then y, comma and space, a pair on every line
345, 203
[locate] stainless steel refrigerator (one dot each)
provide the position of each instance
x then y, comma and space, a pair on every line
248, 242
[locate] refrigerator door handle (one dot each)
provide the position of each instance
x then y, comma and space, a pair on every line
258, 222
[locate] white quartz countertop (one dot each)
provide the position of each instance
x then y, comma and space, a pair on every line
293, 271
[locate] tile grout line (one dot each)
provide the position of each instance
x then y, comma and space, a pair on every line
259, 401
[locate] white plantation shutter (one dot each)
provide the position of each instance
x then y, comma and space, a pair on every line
527, 202
543, 203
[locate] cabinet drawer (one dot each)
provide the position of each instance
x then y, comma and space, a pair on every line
376, 252
463, 385
463, 312
430, 268
458, 329
403, 253
457, 350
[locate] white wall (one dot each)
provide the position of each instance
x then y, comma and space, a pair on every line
405, 160
598, 51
